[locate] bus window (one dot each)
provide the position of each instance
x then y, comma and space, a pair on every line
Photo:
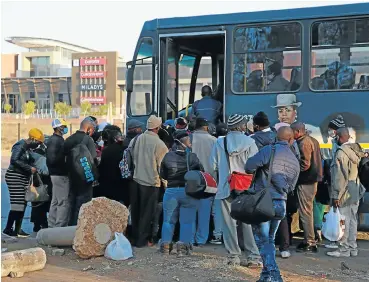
340, 55
267, 58
140, 99
203, 77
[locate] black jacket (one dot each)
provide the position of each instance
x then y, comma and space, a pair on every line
55, 158
20, 160
111, 184
174, 167
264, 138
75, 139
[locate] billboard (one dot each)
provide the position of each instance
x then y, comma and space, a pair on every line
92, 62
94, 100
92, 74
92, 87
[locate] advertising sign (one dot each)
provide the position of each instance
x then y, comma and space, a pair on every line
92, 62
94, 100
92, 87
92, 74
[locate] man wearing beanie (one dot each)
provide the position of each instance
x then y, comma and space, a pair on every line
263, 134
148, 153
202, 144
240, 147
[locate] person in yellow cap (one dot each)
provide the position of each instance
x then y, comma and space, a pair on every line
17, 177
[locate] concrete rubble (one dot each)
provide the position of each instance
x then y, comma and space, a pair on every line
98, 220
15, 264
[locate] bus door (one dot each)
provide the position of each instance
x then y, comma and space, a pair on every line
169, 59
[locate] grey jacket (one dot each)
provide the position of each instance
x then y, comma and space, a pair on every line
240, 148
346, 186
202, 144
285, 170
40, 163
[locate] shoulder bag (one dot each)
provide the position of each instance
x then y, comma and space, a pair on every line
255, 207
238, 181
36, 194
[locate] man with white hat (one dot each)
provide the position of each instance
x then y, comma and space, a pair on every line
239, 148
148, 153
55, 160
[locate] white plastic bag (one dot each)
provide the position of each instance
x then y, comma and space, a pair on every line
333, 225
119, 249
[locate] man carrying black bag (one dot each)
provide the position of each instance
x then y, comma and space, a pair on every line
279, 161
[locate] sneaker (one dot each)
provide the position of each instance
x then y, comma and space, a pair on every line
306, 248
251, 263
354, 253
338, 254
165, 249
234, 261
216, 241
9, 232
331, 245
285, 254
183, 249
22, 234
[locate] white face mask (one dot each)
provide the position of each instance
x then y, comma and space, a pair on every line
100, 143
331, 133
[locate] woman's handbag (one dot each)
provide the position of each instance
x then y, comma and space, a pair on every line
238, 181
199, 185
255, 207
39, 193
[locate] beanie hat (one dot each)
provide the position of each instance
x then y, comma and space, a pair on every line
153, 122
180, 123
261, 119
337, 123
36, 134
235, 121
134, 123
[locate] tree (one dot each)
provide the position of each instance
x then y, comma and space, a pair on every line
7, 108
28, 109
63, 109
85, 108
103, 110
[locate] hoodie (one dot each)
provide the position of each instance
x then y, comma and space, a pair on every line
264, 138
346, 186
240, 148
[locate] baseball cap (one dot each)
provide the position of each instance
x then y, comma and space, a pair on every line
58, 122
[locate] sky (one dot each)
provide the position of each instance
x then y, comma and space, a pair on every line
113, 26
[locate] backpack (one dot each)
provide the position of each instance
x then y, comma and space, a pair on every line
364, 172
81, 164
126, 165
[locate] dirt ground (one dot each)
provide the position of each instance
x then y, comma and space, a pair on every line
206, 264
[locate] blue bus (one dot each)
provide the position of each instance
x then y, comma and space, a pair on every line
308, 64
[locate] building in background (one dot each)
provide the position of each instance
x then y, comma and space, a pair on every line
51, 71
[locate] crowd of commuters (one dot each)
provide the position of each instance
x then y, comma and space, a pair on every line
161, 211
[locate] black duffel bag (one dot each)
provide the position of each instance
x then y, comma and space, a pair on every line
199, 185
255, 207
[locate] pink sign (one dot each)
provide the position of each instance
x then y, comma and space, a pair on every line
94, 100
92, 62
92, 74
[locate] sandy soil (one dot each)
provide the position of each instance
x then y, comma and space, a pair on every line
206, 264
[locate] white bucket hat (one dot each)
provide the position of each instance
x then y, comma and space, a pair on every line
285, 100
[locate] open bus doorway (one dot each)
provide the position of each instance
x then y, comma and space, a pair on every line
186, 64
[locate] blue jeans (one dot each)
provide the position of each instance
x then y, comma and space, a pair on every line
177, 205
264, 234
216, 212
203, 221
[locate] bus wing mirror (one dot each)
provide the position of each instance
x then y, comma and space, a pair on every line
129, 80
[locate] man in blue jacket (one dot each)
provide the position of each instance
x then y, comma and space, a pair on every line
285, 170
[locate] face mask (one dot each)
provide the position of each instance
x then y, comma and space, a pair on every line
331, 133
65, 130
33, 145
